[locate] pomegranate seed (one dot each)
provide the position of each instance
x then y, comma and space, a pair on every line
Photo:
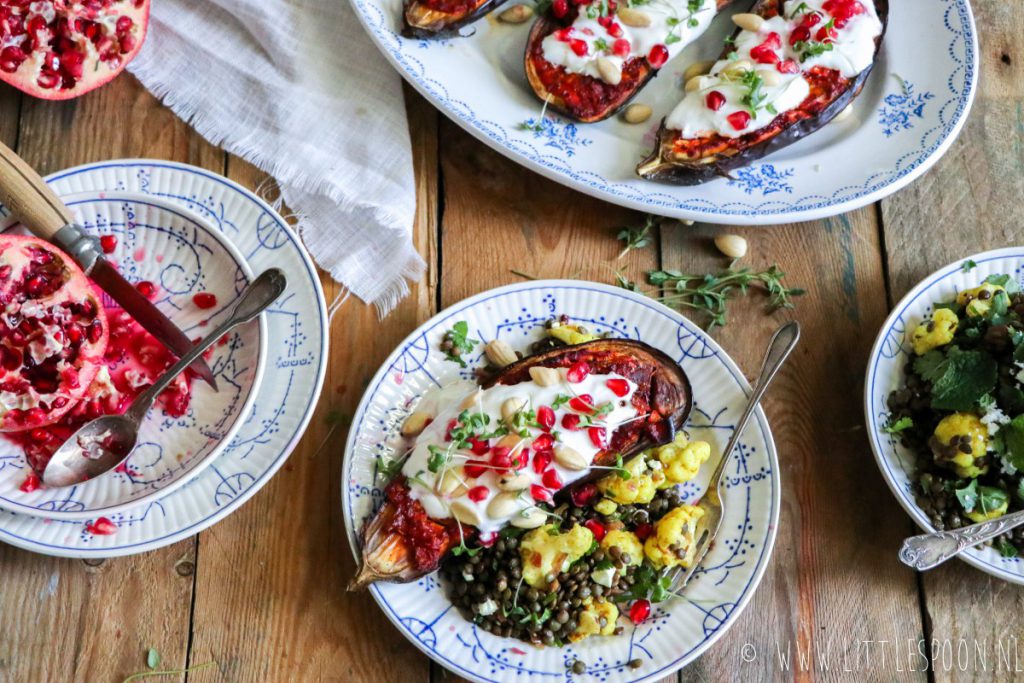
95, 331
30, 484
540, 494
563, 34
204, 300
101, 526
35, 416
615, 30
146, 288
501, 458
124, 24
738, 119
545, 417
11, 58
788, 66
596, 528
544, 442
541, 460
35, 285
619, 387
560, 8
715, 100
597, 436
474, 468
644, 530
571, 421
826, 34
658, 56
640, 610
449, 428
584, 403
108, 243
583, 495
810, 19
40, 436
605, 21
773, 41
621, 48
478, 493
764, 55
801, 34
579, 47
5, 272
577, 372
551, 480
520, 459
479, 447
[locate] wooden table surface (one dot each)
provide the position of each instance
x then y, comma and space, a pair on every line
261, 594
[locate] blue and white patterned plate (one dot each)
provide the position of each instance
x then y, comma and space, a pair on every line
294, 374
182, 255
885, 373
679, 630
911, 109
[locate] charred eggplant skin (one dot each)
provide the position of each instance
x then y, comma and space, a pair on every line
659, 166
419, 20
389, 552
594, 100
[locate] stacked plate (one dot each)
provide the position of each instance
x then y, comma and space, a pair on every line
186, 231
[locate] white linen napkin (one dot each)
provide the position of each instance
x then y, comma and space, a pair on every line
297, 88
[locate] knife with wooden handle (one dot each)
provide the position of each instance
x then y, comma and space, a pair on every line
33, 203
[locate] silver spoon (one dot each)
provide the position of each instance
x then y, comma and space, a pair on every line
930, 550
102, 444
782, 342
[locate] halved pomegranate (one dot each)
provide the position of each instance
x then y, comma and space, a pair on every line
60, 49
53, 333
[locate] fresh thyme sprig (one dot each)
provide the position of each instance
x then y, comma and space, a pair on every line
637, 238
711, 293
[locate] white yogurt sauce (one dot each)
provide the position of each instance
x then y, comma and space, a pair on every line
674, 24
726, 112
446, 405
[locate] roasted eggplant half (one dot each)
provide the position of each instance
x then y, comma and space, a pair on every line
586, 61
442, 18
540, 425
790, 69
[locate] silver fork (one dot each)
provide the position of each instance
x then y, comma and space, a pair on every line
783, 341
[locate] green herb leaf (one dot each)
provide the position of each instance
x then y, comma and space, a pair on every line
1006, 549
1012, 438
458, 337
968, 266
965, 377
637, 238
899, 425
968, 496
152, 658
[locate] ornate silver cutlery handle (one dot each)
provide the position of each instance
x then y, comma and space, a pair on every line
930, 550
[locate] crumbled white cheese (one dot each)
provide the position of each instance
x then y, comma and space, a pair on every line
604, 577
486, 608
1020, 372
994, 418
1007, 467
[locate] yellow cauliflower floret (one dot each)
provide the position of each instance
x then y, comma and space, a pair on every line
978, 515
606, 507
627, 542
639, 488
682, 459
545, 551
978, 300
590, 620
672, 543
956, 434
571, 334
934, 333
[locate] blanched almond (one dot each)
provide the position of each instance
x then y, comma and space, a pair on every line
465, 513
500, 353
770, 77
636, 113
450, 484
609, 70
415, 423
695, 83
513, 442
748, 22
531, 518
503, 505
732, 246
513, 482
633, 17
511, 406
516, 14
546, 377
570, 458
697, 69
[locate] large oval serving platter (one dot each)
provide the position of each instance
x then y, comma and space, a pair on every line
910, 111
680, 629
885, 373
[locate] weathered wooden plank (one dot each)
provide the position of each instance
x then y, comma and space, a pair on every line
834, 580
498, 217
279, 566
64, 619
969, 202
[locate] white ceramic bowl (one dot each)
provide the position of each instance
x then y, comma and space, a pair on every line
885, 373
679, 630
182, 255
